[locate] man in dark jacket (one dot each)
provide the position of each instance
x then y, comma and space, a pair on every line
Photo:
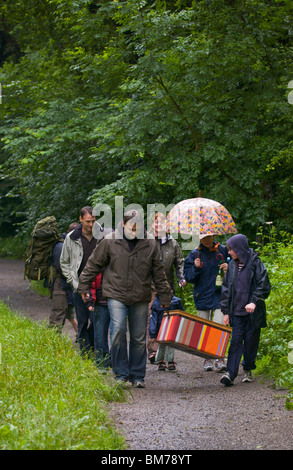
244, 290
130, 262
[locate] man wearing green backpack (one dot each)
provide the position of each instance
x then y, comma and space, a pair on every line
62, 292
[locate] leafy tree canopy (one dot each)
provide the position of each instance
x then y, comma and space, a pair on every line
151, 100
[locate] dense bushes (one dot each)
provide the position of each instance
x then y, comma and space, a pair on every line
273, 351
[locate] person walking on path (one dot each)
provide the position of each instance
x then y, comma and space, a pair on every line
245, 288
130, 259
101, 317
173, 262
62, 292
165, 353
201, 268
78, 246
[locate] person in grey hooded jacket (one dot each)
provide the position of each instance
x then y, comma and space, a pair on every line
245, 288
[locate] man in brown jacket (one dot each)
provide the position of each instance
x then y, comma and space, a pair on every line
131, 261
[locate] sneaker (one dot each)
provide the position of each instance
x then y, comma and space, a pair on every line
138, 384
162, 365
171, 366
121, 382
208, 366
152, 358
220, 366
226, 379
247, 376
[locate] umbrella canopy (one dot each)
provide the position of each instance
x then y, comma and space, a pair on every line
200, 216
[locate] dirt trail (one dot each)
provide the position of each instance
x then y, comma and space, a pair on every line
184, 410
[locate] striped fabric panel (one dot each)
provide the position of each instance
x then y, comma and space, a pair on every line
194, 334
173, 327
163, 329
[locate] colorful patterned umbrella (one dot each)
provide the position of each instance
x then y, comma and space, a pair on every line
200, 216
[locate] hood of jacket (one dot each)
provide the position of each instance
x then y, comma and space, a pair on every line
239, 244
76, 233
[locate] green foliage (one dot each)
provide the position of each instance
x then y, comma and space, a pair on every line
277, 256
51, 399
150, 100
13, 247
186, 295
38, 286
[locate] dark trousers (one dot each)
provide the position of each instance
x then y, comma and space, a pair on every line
244, 341
85, 326
101, 320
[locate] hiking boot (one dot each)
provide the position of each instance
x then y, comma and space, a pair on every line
208, 366
226, 379
138, 384
121, 381
247, 376
171, 366
162, 365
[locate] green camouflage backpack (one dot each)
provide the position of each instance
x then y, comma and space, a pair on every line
39, 251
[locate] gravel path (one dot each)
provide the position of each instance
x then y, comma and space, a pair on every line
184, 410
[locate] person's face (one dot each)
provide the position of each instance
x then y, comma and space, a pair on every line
159, 226
232, 253
131, 230
208, 241
87, 221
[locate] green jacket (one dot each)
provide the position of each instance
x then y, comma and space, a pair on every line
128, 275
171, 257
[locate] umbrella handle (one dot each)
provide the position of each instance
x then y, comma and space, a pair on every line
220, 256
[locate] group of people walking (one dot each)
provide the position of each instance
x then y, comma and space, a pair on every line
122, 282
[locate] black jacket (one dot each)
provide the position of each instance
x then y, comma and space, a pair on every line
259, 289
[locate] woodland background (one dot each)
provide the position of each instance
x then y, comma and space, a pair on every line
150, 100
154, 101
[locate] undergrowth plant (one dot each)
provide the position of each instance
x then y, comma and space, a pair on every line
13, 247
277, 255
51, 398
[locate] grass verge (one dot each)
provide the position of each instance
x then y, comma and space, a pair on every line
51, 398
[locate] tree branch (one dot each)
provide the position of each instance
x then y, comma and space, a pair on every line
180, 110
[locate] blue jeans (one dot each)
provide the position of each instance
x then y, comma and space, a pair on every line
84, 330
132, 366
101, 320
244, 341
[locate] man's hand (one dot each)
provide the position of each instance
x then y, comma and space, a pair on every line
88, 300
